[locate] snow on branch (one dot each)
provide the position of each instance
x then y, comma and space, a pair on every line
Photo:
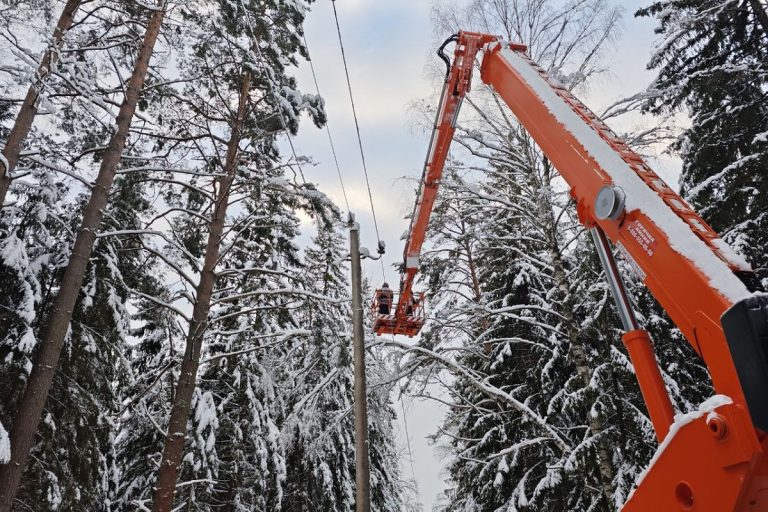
164, 236
486, 388
281, 338
161, 303
57, 168
279, 291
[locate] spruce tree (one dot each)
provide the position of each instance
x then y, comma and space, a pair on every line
711, 65
319, 428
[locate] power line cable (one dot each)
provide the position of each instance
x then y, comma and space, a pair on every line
327, 127
271, 86
407, 437
284, 124
359, 138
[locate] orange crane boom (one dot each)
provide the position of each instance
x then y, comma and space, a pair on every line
712, 460
455, 88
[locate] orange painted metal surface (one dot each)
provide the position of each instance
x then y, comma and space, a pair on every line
387, 321
456, 86
651, 383
713, 462
680, 287
706, 467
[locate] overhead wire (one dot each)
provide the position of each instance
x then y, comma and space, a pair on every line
272, 91
327, 126
367, 180
357, 129
407, 437
368, 186
291, 144
341, 182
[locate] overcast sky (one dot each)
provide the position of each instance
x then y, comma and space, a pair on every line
388, 44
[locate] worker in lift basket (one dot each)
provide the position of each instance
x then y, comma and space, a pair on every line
412, 303
385, 299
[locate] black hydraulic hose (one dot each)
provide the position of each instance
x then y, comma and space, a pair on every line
443, 56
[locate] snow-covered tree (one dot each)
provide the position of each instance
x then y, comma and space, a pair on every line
66, 289
265, 378
711, 64
320, 428
546, 413
25, 117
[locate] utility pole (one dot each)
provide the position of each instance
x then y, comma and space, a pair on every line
362, 468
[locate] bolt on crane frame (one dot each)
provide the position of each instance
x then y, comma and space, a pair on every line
711, 460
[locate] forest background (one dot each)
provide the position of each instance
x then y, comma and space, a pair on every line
197, 352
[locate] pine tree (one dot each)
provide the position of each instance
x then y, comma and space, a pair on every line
14, 141
267, 391
225, 60
30, 407
39, 229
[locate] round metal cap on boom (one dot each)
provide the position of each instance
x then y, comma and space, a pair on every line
609, 203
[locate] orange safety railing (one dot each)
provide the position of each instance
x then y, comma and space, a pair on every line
391, 317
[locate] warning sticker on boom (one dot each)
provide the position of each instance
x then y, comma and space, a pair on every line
642, 236
631, 261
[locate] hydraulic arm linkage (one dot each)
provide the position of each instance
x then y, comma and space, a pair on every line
712, 460
455, 88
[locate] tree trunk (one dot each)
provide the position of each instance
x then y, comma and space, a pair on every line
577, 352
579, 357
53, 333
487, 347
28, 111
165, 486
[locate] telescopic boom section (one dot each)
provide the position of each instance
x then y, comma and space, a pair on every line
712, 460
455, 87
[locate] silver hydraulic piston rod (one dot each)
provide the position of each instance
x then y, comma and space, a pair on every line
616, 284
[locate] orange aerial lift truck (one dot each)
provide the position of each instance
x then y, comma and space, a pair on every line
710, 460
